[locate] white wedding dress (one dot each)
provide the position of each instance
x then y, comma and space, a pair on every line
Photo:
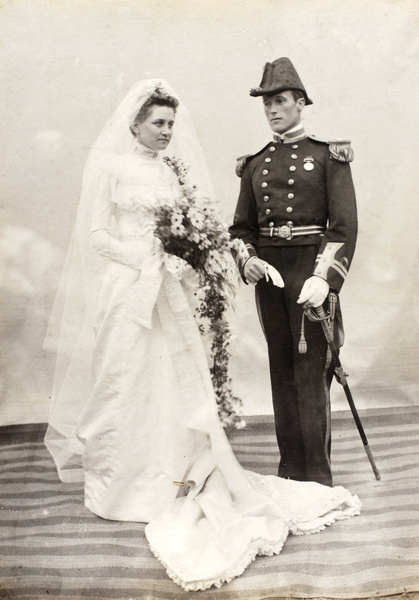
151, 420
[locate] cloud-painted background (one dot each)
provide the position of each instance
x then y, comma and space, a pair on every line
65, 65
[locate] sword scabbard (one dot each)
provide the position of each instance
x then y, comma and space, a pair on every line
341, 377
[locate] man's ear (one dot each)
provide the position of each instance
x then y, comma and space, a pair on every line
301, 103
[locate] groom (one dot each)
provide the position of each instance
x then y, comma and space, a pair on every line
296, 212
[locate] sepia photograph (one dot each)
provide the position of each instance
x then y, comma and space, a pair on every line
209, 376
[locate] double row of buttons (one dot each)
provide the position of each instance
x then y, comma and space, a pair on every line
290, 196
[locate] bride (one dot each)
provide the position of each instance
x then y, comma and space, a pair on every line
134, 413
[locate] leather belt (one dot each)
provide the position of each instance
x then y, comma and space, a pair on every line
287, 232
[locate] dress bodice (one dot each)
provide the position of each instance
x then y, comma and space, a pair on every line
141, 181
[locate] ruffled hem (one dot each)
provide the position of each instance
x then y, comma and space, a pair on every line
352, 509
349, 507
336, 500
342, 505
256, 548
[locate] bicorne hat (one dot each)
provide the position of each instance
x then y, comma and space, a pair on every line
279, 76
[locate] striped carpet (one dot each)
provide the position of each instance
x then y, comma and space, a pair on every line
52, 546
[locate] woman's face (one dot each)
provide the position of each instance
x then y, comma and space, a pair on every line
156, 130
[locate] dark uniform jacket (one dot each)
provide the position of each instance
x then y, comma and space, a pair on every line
299, 184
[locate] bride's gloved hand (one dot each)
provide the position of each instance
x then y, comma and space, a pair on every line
255, 269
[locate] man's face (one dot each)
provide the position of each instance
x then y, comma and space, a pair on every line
282, 111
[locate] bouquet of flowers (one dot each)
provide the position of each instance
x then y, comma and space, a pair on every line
191, 230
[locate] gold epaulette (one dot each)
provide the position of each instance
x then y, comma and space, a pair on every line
241, 163
340, 150
242, 160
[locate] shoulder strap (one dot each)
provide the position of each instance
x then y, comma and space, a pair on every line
340, 150
243, 160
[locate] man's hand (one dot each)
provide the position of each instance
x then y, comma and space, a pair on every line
255, 269
314, 291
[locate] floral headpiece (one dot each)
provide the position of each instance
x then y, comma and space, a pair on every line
161, 91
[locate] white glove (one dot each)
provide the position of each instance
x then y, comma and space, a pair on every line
255, 269
276, 278
314, 291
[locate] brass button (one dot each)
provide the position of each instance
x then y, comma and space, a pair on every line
272, 149
291, 181
266, 198
268, 211
268, 159
290, 196
289, 209
293, 168
271, 224
264, 184
294, 156
265, 172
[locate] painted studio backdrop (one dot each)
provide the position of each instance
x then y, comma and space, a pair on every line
65, 65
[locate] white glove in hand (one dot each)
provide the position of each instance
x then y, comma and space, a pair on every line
314, 291
256, 269
276, 278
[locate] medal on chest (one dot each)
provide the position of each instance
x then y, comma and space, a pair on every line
308, 163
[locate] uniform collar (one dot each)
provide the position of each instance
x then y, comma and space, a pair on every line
295, 134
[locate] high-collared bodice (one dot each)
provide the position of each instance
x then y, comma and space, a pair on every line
140, 180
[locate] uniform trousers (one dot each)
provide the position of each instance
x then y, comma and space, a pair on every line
300, 382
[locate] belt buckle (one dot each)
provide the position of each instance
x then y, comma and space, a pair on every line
285, 232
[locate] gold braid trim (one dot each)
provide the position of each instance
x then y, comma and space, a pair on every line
341, 150
241, 163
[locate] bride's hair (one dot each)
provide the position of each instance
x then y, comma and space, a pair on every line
158, 98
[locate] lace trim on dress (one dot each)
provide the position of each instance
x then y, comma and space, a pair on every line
340, 514
259, 547
145, 150
335, 504
262, 547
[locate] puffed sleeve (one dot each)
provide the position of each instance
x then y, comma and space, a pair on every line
338, 244
128, 252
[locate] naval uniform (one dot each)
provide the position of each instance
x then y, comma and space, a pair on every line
297, 211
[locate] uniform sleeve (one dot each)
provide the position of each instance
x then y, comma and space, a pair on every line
128, 252
338, 243
245, 224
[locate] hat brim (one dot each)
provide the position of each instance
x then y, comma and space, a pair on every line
263, 91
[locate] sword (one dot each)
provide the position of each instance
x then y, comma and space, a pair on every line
340, 375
